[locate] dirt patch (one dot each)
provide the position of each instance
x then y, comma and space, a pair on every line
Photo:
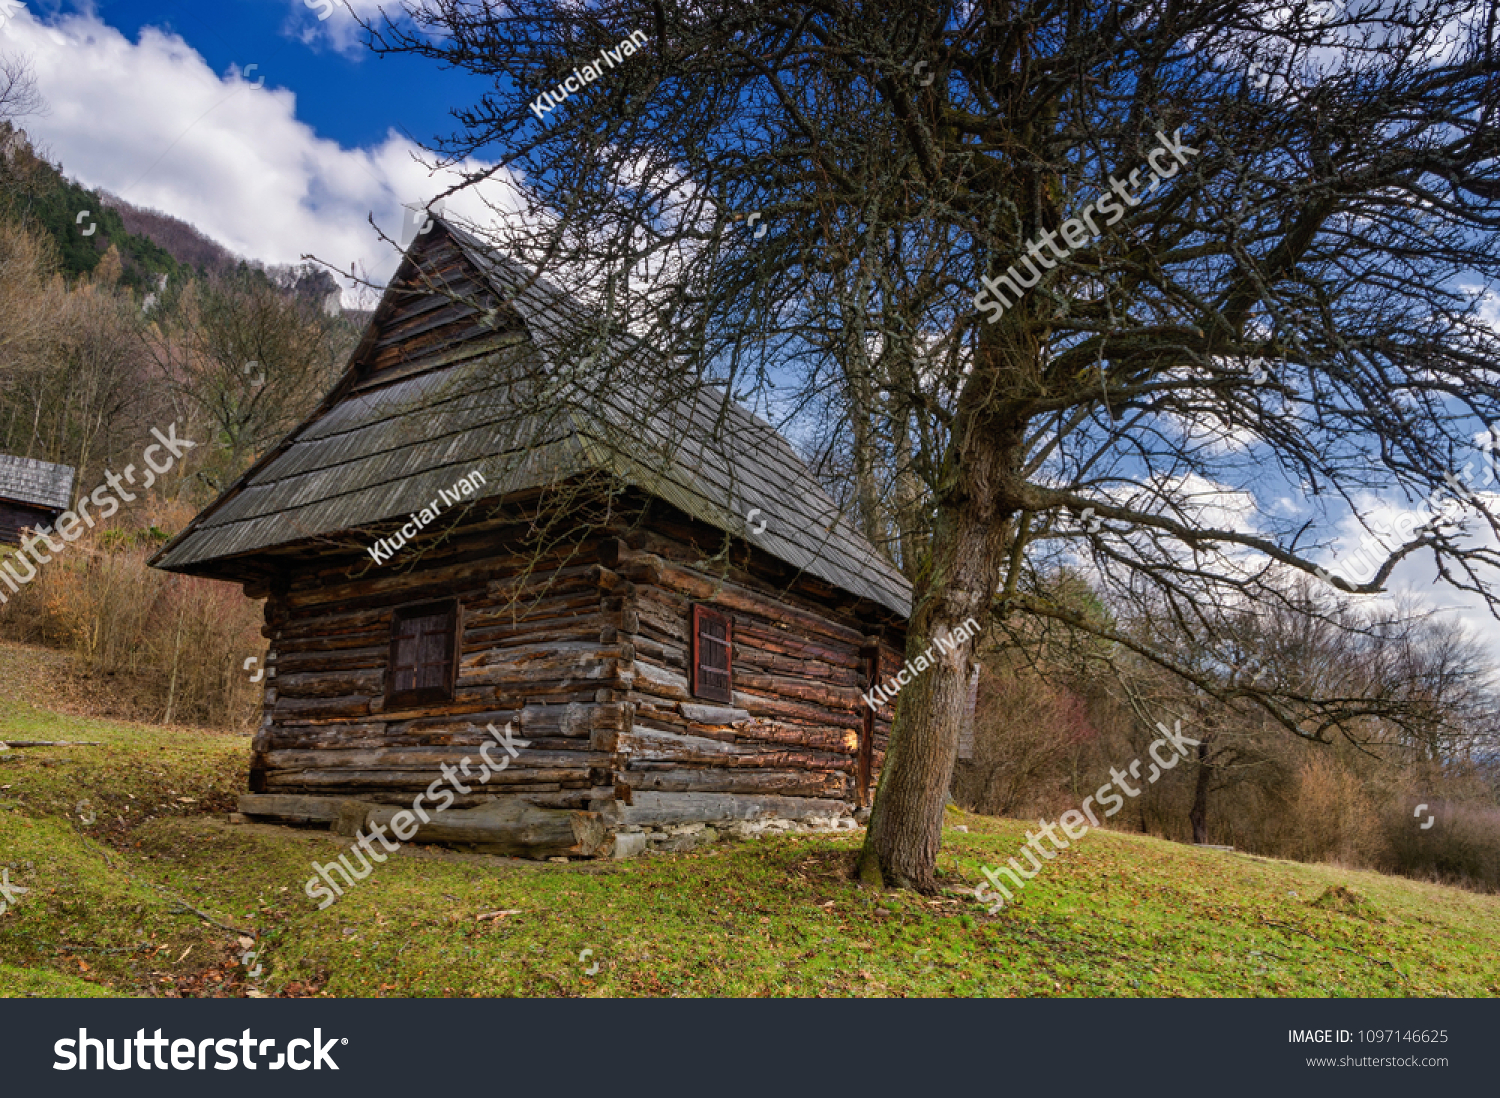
231, 977
1347, 901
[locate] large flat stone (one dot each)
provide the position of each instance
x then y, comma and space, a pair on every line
631, 844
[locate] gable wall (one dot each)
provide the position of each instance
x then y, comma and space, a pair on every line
789, 745
421, 325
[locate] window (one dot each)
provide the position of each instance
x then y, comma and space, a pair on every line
713, 655
424, 653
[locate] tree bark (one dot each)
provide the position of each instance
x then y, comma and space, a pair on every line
978, 492
1198, 817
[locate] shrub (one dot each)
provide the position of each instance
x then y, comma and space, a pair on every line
1329, 816
1461, 847
181, 638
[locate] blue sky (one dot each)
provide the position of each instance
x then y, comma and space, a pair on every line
347, 94
276, 133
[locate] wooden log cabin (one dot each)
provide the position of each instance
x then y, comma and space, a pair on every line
510, 512
32, 495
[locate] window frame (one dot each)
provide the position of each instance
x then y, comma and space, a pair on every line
425, 695
702, 613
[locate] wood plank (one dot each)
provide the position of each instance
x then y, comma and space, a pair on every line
657, 745
351, 659
712, 714
517, 828
417, 780
329, 684
421, 758
303, 709
790, 783
529, 675
288, 807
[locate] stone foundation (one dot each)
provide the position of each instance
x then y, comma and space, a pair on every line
631, 842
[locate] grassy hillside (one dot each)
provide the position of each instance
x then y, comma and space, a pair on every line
138, 887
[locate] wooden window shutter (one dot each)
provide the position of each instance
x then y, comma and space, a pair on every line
423, 664
713, 655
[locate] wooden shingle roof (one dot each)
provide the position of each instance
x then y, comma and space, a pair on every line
36, 483
497, 399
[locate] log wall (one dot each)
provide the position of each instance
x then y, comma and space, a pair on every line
531, 653
15, 518
791, 739
585, 647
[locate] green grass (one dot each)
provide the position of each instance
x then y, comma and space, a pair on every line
110, 906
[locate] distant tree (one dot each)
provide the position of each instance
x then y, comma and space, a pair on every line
247, 358
19, 95
28, 298
75, 392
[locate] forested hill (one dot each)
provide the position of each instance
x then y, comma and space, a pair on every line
149, 243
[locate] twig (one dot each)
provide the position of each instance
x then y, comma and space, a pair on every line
1330, 945
185, 908
50, 743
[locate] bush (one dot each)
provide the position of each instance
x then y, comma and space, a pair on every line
1461, 847
181, 638
1329, 816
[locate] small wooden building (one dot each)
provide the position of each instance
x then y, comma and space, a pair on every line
636, 574
32, 495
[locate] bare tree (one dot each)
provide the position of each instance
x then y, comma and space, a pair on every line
19, 96
248, 357
1285, 194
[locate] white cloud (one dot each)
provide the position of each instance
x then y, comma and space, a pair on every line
151, 122
316, 22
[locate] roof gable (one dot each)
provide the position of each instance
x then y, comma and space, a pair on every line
438, 388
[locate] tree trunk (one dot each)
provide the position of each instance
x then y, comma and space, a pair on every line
1198, 817
968, 547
